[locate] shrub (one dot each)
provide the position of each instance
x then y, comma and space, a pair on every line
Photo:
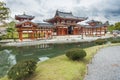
115, 41
100, 41
109, 39
76, 54
22, 70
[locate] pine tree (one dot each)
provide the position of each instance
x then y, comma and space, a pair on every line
4, 11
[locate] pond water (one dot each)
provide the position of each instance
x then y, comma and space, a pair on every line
11, 55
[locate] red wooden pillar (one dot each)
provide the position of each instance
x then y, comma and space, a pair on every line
90, 31
100, 31
93, 31
51, 33
32, 35
62, 33
20, 35
85, 30
104, 31
67, 30
58, 31
36, 33
47, 34
82, 32
75, 31
44, 33
96, 32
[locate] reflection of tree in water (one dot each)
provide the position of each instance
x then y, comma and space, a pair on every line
6, 61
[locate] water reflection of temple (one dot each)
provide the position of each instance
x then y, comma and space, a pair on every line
63, 23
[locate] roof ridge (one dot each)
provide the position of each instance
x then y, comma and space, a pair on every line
65, 12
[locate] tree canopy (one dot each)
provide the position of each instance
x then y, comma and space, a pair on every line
4, 11
116, 26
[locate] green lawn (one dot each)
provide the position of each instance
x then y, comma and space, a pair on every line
61, 68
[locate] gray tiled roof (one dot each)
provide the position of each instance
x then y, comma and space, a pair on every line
68, 15
93, 21
19, 23
106, 23
96, 26
25, 16
45, 25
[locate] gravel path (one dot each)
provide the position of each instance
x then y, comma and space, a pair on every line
105, 65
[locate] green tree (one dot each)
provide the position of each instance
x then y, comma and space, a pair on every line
117, 26
4, 11
4, 14
11, 30
111, 28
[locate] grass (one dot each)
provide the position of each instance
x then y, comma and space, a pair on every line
61, 68
4, 78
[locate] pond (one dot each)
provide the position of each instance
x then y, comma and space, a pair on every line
11, 55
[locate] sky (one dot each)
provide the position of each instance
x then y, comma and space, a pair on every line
102, 10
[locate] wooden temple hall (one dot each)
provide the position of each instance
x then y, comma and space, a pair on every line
63, 23
30, 30
94, 28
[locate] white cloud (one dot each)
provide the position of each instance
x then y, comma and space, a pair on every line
44, 9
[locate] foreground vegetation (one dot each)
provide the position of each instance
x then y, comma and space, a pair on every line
62, 68
22, 70
76, 54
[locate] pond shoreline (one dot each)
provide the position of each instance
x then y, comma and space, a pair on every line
52, 41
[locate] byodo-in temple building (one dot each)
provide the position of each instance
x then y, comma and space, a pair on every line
63, 23
27, 29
